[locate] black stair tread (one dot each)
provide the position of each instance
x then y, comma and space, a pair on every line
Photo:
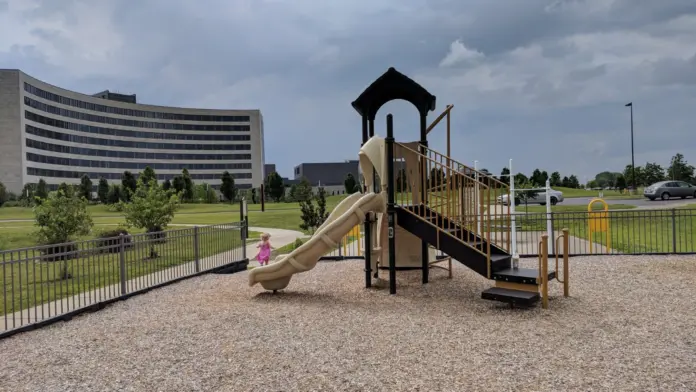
510, 295
525, 273
497, 257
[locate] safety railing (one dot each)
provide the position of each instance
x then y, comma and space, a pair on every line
543, 266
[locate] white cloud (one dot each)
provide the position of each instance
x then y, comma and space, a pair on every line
459, 53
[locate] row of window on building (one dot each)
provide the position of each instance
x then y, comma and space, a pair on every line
128, 112
127, 133
125, 122
50, 173
31, 157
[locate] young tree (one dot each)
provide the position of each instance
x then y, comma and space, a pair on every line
128, 185
252, 197
41, 189
115, 194
188, 185
573, 182
321, 212
178, 184
227, 188
151, 208
679, 169
292, 193
274, 186
167, 185
66, 190
61, 217
85, 188
621, 182
303, 191
349, 183
147, 175
524, 193
309, 215
521, 178
103, 190
555, 179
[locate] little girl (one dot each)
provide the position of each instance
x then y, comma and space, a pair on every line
264, 249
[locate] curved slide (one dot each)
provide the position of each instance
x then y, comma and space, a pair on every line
349, 213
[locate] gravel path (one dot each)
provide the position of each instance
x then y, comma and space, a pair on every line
630, 325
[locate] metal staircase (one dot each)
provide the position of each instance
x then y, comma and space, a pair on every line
457, 213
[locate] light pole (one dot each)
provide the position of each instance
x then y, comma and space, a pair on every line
633, 161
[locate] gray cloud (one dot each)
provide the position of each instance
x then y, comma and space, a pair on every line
547, 90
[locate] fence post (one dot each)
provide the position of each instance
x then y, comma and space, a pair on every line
196, 251
674, 230
122, 264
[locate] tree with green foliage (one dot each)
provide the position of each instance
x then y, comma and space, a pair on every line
178, 184
85, 188
321, 212
621, 182
303, 191
151, 208
520, 178
652, 173
275, 188
227, 188
41, 189
60, 218
253, 196
308, 215
188, 185
524, 192
679, 169
128, 185
147, 175
103, 190
349, 183
505, 175
3, 194
628, 175
167, 185
573, 181
555, 179
115, 194
66, 190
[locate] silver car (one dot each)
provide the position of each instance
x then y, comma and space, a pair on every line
539, 198
666, 190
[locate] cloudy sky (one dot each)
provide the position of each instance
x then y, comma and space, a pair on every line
543, 82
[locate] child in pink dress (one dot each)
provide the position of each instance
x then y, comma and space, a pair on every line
264, 246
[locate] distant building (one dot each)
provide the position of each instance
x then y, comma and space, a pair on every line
329, 175
269, 168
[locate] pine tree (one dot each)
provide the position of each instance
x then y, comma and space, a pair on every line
85, 187
309, 215
41, 189
103, 190
128, 185
227, 187
147, 176
321, 213
188, 185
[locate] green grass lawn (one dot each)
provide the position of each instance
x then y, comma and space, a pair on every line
30, 280
572, 192
562, 208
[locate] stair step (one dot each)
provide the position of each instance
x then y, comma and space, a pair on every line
520, 275
511, 296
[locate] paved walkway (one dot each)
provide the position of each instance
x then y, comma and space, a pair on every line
279, 237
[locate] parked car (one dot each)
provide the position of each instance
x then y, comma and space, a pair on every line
539, 198
666, 190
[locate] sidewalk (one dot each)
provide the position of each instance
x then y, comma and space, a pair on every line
54, 308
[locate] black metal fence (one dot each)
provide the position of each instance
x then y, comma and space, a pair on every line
47, 283
634, 232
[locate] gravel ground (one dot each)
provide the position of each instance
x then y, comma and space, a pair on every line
628, 326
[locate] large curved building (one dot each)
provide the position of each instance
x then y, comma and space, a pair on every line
60, 135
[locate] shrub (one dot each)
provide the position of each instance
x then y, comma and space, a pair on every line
110, 240
298, 242
13, 203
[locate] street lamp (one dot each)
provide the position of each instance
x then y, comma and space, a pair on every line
633, 161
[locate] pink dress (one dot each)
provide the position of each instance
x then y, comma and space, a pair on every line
264, 253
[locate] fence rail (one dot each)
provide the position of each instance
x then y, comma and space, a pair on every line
44, 283
633, 232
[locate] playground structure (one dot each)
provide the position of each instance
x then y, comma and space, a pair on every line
418, 201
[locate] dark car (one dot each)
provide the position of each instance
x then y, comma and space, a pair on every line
666, 190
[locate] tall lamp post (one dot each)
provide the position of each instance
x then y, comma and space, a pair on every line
633, 161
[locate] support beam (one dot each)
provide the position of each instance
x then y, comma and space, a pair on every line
391, 209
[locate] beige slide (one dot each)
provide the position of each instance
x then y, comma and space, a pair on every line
349, 213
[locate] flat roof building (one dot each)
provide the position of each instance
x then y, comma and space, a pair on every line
60, 135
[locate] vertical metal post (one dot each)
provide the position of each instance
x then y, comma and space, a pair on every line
425, 249
566, 273
263, 198
122, 264
243, 225
368, 251
674, 231
391, 209
477, 198
545, 271
549, 217
196, 251
513, 222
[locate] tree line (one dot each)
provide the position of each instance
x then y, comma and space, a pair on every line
112, 194
679, 170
